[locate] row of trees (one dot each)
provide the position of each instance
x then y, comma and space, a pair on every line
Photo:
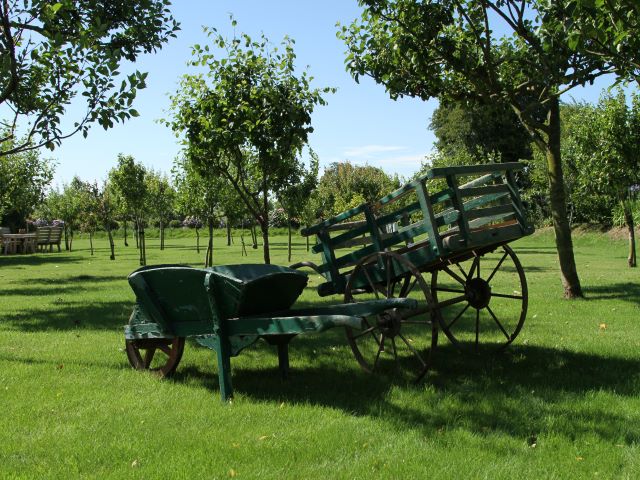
133, 194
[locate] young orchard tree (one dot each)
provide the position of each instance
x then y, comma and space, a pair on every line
246, 118
88, 196
106, 214
128, 179
161, 198
296, 192
54, 54
450, 49
198, 195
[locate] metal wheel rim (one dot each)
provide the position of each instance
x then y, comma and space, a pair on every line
171, 349
424, 361
509, 336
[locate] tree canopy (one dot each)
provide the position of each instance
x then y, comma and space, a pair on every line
247, 117
55, 53
472, 132
509, 51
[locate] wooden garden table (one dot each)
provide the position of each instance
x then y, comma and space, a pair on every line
25, 241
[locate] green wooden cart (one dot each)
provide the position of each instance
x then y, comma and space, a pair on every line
228, 308
442, 239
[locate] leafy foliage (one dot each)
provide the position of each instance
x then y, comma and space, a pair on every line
54, 53
24, 178
345, 185
247, 117
479, 132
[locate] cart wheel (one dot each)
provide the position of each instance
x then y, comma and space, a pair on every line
484, 296
397, 341
159, 355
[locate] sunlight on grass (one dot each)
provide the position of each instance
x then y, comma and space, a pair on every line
561, 402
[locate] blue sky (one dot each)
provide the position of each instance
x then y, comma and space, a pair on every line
360, 122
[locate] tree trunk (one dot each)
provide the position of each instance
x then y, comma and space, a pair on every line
136, 233
254, 237
141, 244
91, 242
307, 237
228, 233
70, 239
264, 227
161, 235
111, 245
126, 244
66, 237
628, 219
197, 240
208, 262
289, 243
264, 221
562, 229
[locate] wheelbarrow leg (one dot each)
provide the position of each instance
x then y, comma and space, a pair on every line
224, 368
282, 342
283, 359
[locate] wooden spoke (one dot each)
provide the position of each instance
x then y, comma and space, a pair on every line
415, 352
495, 319
371, 284
393, 326
454, 275
504, 295
365, 332
464, 274
483, 288
506, 254
142, 354
477, 327
452, 301
148, 356
451, 290
458, 316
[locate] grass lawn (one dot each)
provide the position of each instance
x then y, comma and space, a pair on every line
562, 402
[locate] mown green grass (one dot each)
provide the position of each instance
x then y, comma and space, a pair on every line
562, 402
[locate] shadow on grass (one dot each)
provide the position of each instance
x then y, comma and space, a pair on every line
526, 392
627, 291
39, 259
61, 316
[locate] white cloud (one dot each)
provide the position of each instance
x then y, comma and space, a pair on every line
370, 151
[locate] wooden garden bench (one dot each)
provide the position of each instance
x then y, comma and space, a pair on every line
49, 236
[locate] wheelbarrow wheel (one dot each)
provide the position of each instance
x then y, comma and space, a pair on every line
399, 342
483, 300
158, 355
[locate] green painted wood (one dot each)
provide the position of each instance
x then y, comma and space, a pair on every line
144, 330
467, 170
399, 193
456, 201
238, 342
290, 325
348, 259
305, 232
487, 189
329, 267
515, 198
251, 289
338, 240
430, 222
490, 211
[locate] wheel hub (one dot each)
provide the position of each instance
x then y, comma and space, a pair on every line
389, 323
478, 292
